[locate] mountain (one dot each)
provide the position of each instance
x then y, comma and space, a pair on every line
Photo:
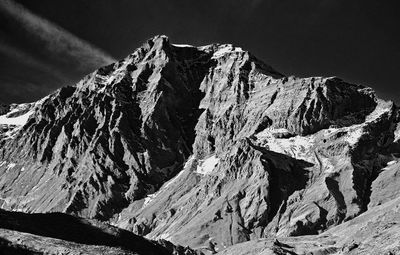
206, 147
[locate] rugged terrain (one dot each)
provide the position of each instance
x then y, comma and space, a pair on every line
58, 233
210, 148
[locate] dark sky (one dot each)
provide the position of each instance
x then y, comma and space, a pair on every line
45, 44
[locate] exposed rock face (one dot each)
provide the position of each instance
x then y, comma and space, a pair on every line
386, 186
120, 133
303, 185
375, 232
203, 146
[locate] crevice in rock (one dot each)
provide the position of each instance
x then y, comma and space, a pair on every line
283, 182
371, 154
341, 208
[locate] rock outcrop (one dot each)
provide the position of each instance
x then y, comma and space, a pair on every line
203, 146
375, 232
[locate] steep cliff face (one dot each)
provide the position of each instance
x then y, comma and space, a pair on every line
270, 182
203, 146
328, 139
121, 132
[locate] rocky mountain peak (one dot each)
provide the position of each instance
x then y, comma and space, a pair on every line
200, 145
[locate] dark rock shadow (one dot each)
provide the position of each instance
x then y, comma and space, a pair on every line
74, 229
287, 175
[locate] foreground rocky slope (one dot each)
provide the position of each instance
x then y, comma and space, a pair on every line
58, 233
203, 146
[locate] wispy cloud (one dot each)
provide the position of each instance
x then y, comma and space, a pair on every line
21, 56
25, 77
56, 40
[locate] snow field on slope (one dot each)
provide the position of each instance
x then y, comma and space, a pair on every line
207, 166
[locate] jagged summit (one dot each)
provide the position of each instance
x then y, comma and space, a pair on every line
201, 144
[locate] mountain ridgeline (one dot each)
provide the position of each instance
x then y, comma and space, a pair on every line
206, 147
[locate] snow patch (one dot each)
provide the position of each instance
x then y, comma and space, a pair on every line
391, 162
17, 121
296, 147
3, 163
225, 49
353, 136
207, 166
9, 119
149, 198
10, 166
269, 132
182, 45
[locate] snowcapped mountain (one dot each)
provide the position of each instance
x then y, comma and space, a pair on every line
207, 147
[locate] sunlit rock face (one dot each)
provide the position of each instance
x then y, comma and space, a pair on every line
92, 148
203, 146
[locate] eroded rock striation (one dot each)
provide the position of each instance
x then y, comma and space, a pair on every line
202, 146
93, 148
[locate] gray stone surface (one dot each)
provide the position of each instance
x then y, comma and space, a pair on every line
207, 147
